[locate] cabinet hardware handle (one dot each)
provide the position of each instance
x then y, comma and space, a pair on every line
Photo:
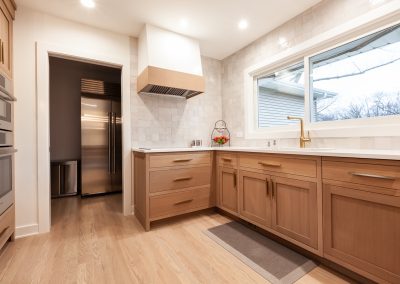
1, 52
267, 185
372, 176
227, 159
182, 160
183, 202
4, 231
270, 164
183, 178
273, 189
234, 179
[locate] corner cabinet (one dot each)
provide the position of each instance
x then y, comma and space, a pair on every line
7, 14
228, 189
227, 182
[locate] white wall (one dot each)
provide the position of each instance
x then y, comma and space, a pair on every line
31, 27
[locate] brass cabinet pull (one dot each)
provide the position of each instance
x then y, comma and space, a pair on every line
270, 164
182, 160
4, 231
183, 178
234, 179
227, 159
267, 185
372, 176
273, 189
183, 202
1, 52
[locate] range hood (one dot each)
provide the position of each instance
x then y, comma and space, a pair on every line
169, 64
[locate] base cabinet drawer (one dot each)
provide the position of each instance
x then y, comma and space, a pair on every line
176, 203
279, 164
7, 225
179, 159
362, 230
165, 180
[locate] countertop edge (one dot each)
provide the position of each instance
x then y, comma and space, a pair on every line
360, 154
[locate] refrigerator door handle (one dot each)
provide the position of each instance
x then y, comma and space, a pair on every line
109, 140
113, 136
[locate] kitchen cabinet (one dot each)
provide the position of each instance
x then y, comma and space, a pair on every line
254, 197
171, 184
346, 210
362, 217
7, 10
228, 189
294, 209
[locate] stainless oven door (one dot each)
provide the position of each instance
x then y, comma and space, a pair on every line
6, 178
6, 109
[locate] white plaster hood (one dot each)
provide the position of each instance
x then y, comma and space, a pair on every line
169, 64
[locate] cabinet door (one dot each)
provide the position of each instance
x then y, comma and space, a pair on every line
6, 39
254, 197
228, 192
362, 230
294, 209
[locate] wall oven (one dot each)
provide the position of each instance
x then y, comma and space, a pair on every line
6, 103
6, 178
6, 144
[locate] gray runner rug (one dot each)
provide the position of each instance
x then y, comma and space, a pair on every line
274, 262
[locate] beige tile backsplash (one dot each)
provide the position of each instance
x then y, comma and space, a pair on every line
172, 122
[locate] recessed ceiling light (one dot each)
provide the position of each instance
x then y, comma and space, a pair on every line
184, 23
88, 3
243, 24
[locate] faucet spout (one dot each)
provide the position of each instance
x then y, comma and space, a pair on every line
303, 138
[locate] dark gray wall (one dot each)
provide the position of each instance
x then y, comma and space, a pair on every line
65, 103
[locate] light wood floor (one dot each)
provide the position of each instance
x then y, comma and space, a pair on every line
92, 242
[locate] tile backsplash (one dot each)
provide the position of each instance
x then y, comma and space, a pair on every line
160, 122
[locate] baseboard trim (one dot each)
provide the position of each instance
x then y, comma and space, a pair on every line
27, 230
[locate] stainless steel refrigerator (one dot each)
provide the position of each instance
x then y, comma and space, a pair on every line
101, 140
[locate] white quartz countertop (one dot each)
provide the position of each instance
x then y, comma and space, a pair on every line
326, 152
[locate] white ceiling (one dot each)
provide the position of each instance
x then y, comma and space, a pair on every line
213, 22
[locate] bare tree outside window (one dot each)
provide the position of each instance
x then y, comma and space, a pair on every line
363, 75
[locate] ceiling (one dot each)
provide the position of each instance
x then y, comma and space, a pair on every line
213, 22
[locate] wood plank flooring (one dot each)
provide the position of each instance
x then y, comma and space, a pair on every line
92, 242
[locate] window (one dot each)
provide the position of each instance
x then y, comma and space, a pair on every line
357, 80
280, 94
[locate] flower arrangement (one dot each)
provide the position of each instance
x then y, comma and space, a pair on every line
221, 140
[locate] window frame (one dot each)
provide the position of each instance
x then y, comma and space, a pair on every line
368, 24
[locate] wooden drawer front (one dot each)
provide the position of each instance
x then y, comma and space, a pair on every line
179, 178
227, 160
7, 224
386, 176
302, 167
172, 204
184, 159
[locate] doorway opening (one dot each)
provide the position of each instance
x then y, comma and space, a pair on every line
85, 132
